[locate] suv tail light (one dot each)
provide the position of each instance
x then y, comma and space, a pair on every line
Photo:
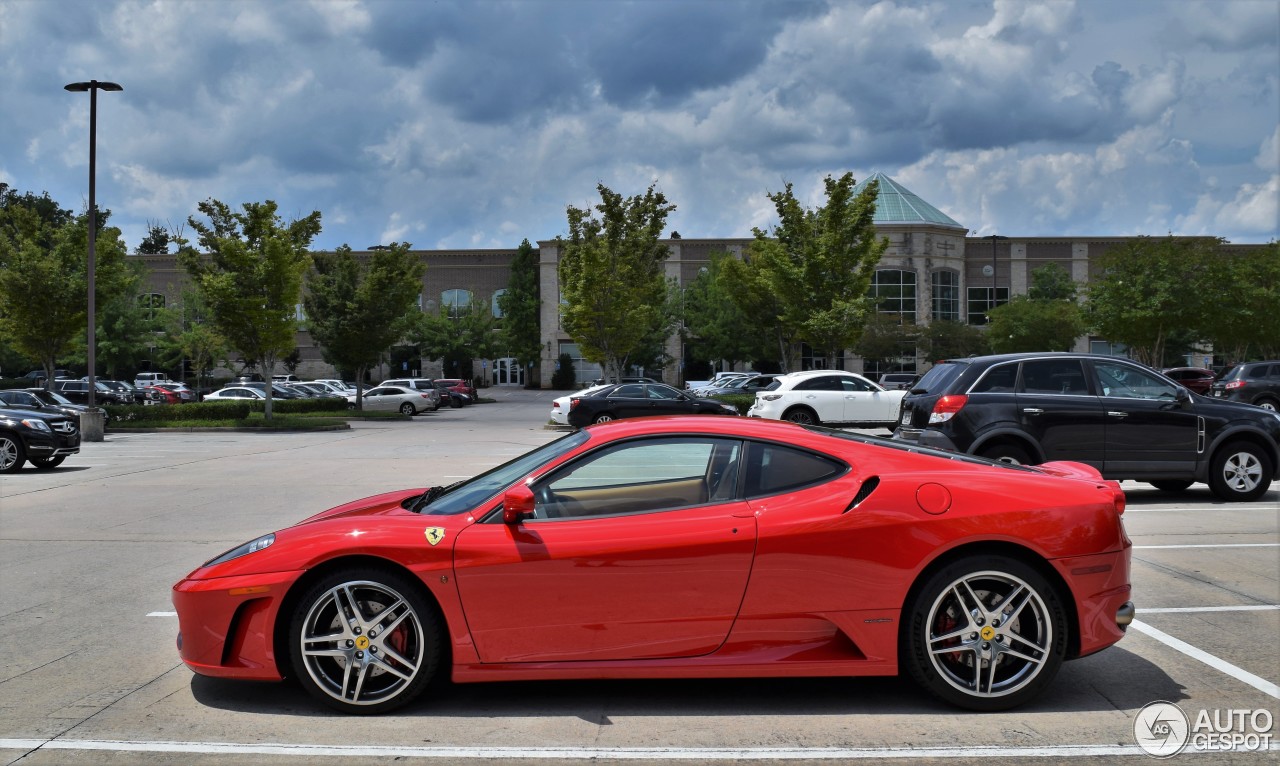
1235, 384
947, 407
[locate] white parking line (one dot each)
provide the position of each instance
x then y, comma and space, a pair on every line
1254, 507
1210, 545
584, 753
1217, 663
1194, 609
162, 614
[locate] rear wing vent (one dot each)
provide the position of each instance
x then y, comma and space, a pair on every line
864, 492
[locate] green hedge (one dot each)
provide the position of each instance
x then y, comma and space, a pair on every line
299, 406
164, 412
742, 402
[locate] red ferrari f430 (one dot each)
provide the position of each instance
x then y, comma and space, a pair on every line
692, 547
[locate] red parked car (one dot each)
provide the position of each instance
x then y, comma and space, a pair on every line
161, 395
1195, 379
685, 547
459, 385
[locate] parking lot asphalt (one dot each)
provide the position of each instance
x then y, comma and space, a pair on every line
89, 551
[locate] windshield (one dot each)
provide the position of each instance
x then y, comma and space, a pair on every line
467, 495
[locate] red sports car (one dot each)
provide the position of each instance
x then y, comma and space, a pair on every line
682, 548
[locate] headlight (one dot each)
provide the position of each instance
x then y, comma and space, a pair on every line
253, 545
38, 425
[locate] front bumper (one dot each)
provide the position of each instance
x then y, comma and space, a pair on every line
226, 626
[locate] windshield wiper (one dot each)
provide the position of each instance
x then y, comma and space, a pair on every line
430, 495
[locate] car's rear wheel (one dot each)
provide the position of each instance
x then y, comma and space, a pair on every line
1007, 453
1171, 485
1267, 404
803, 416
408, 409
603, 417
985, 633
1240, 471
12, 455
365, 641
46, 463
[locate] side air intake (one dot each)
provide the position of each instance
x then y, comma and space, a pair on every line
864, 492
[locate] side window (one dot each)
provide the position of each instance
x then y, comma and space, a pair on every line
773, 468
642, 476
631, 391
1259, 371
1125, 382
663, 392
997, 380
823, 383
1053, 376
853, 384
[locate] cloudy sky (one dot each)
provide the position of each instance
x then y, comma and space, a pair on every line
474, 124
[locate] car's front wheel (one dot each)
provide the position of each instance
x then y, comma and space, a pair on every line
12, 455
985, 633
1240, 471
45, 463
365, 641
408, 409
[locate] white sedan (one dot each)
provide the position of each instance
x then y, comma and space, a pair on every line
408, 402
560, 407
234, 392
816, 397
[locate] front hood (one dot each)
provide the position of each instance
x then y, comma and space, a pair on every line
387, 502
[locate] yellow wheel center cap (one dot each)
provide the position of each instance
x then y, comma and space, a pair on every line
988, 633
362, 643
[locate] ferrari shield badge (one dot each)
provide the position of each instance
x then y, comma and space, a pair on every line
434, 534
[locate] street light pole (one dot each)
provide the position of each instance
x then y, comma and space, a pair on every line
93, 86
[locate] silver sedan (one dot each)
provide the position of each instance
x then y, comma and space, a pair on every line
408, 402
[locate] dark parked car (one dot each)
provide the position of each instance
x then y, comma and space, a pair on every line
747, 384
461, 386
451, 396
1126, 420
41, 400
44, 438
1251, 382
38, 375
78, 392
633, 400
1195, 379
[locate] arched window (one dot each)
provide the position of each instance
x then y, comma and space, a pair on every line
456, 300
895, 292
496, 305
946, 295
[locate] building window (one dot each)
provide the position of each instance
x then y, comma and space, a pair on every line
496, 307
584, 371
456, 301
151, 304
980, 302
946, 296
1107, 348
894, 292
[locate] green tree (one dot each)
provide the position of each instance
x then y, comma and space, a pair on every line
1243, 318
1047, 318
611, 278
125, 327
715, 326
520, 305
250, 276
885, 339
157, 240
356, 311
1149, 288
949, 339
752, 292
191, 337
820, 263
564, 378
44, 290
21, 215
457, 335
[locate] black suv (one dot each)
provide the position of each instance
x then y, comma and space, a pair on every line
1252, 382
44, 438
1126, 420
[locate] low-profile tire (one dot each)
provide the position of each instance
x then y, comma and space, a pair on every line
365, 640
1239, 472
45, 463
1007, 453
408, 409
12, 454
603, 417
1171, 485
985, 633
802, 416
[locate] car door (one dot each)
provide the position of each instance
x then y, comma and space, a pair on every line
866, 403
1151, 424
1057, 408
628, 401
665, 400
381, 398
638, 550
824, 394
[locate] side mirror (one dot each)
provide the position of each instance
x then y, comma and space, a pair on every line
517, 504
1183, 394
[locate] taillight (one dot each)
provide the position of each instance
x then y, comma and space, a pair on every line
1235, 384
573, 404
947, 407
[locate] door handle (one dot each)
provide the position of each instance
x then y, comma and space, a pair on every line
1118, 414
1033, 411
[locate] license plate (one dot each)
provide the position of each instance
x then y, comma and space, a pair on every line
906, 418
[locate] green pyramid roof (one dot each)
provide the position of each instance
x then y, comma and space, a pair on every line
897, 204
